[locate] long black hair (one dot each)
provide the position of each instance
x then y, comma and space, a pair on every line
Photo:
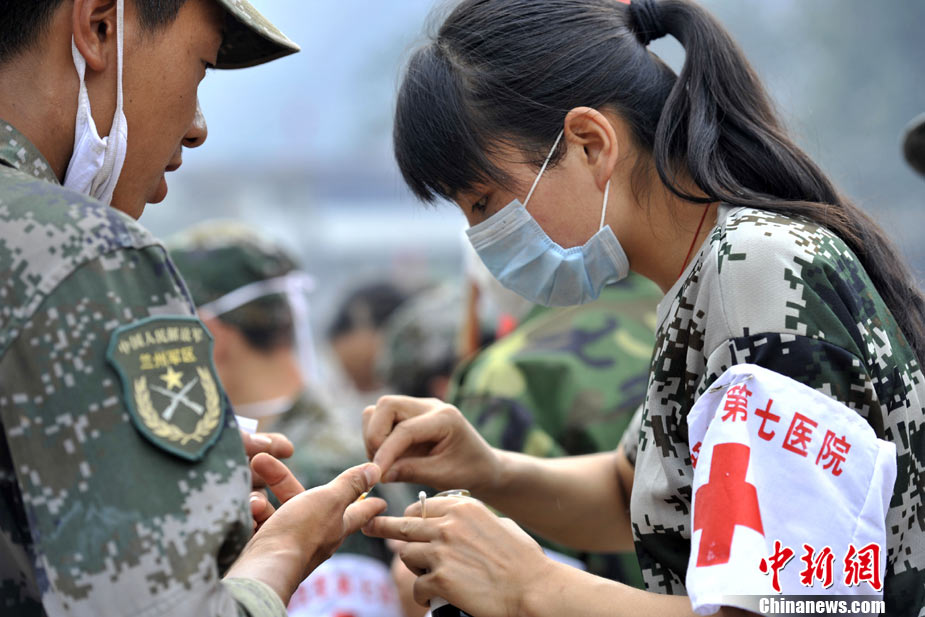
506, 72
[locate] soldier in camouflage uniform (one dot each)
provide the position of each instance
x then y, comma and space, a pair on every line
566, 382
789, 275
258, 354
123, 481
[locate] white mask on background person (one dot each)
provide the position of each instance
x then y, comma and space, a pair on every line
295, 286
96, 162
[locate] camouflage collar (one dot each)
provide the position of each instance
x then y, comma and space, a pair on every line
18, 152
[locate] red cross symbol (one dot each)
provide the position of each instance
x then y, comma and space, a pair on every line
725, 501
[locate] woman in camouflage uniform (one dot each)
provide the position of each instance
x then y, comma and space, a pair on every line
762, 261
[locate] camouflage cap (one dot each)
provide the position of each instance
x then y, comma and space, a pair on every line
250, 38
914, 144
420, 340
218, 257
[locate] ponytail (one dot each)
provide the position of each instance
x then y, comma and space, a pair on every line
719, 126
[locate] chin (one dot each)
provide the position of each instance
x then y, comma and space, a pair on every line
134, 211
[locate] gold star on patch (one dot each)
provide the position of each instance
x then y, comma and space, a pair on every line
172, 378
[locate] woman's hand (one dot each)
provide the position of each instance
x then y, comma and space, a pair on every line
463, 553
307, 528
428, 442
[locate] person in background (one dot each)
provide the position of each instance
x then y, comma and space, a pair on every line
354, 342
914, 144
419, 350
253, 297
355, 335
124, 482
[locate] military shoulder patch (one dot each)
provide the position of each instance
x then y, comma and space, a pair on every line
169, 383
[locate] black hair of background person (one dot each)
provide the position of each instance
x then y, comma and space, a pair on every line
914, 144
367, 306
507, 71
22, 23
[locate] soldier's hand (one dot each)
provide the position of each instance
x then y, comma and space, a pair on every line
276, 445
307, 528
279, 479
428, 442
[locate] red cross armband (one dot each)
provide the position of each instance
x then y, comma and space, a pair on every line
790, 489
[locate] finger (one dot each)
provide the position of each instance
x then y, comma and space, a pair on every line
418, 557
261, 508
256, 443
436, 506
425, 588
281, 446
394, 545
367, 417
361, 512
389, 411
274, 444
428, 428
278, 477
402, 528
415, 469
257, 482
352, 483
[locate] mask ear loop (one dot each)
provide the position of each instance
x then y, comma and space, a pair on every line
543, 168
604, 209
109, 162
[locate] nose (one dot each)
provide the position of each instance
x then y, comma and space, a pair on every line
198, 131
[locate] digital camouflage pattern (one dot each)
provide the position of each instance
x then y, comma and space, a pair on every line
566, 381
788, 295
95, 518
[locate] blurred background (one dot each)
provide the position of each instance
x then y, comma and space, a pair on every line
300, 149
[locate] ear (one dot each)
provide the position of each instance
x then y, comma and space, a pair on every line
593, 132
227, 339
94, 29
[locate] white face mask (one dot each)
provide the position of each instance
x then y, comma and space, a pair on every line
296, 286
97, 162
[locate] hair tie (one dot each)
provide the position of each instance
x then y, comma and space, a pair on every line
645, 19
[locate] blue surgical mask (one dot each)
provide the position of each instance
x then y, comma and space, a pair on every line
526, 260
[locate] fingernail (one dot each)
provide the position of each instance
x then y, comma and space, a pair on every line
262, 440
372, 474
254, 498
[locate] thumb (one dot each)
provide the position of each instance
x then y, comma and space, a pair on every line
352, 483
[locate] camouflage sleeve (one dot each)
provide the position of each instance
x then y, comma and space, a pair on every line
98, 518
254, 598
508, 423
